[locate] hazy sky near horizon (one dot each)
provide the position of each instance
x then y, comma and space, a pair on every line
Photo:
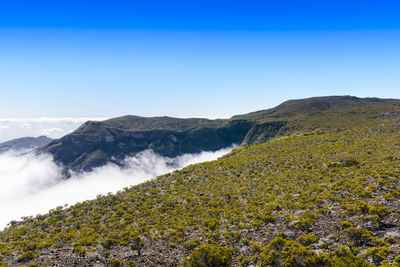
191, 58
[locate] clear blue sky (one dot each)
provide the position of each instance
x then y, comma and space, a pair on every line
191, 58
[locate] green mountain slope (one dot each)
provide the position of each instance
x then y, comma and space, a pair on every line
136, 123
333, 112
97, 143
25, 143
314, 197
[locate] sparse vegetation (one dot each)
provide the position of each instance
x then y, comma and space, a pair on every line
315, 198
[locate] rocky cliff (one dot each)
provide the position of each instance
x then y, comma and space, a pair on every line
96, 143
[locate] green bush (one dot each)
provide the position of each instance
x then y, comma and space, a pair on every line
308, 239
345, 224
78, 249
244, 261
115, 263
397, 261
359, 235
282, 252
208, 255
378, 254
344, 257
191, 244
172, 245
343, 160
2, 262
212, 224
27, 256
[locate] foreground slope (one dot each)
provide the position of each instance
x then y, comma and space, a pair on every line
96, 143
314, 198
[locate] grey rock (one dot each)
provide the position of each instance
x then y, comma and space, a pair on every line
93, 256
392, 234
290, 234
299, 212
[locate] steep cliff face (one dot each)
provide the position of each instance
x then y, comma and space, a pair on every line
263, 132
96, 143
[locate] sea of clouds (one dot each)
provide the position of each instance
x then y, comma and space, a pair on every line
11, 128
32, 184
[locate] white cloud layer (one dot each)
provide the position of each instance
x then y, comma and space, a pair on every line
51, 120
11, 128
32, 184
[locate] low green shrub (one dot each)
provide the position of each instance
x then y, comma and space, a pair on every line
282, 252
115, 263
209, 255
378, 254
308, 239
27, 256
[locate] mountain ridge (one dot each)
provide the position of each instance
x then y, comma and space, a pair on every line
96, 143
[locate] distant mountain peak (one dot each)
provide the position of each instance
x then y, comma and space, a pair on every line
25, 143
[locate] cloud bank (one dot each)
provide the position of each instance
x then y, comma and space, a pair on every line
12, 128
32, 184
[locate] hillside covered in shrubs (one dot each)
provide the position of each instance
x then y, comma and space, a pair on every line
312, 196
